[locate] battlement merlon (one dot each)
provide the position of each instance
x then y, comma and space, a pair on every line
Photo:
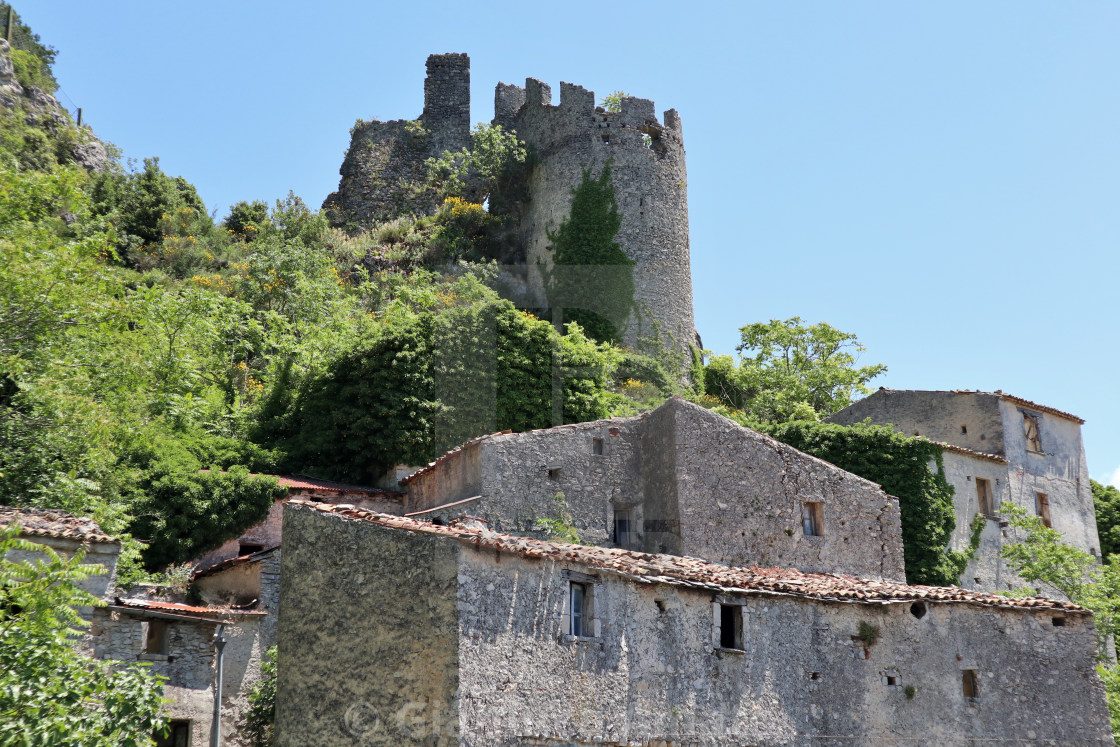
510, 100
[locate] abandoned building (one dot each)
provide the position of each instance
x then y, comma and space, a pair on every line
997, 449
177, 639
396, 631
680, 479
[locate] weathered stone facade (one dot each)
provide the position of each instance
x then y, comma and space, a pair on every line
988, 453
683, 479
385, 165
398, 632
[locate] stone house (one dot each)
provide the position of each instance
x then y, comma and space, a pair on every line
395, 631
150, 625
998, 449
679, 479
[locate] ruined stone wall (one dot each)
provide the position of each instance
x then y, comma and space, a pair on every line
694, 482
654, 671
104, 554
938, 416
742, 496
368, 635
385, 162
1059, 471
188, 664
650, 182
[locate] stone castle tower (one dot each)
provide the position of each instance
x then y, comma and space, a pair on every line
647, 168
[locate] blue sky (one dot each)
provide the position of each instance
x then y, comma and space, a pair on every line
942, 179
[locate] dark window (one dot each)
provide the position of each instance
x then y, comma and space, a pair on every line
178, 735
812, 519
891, 681
731, 626
597, 446
580, 604
554, 473
964, 430
970, 683
918, 609
1058, 622
984, 495
622, 529
1030, 430
248, 548
155, 640
1042, 504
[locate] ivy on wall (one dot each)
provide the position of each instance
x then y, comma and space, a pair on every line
592, 279
901, 465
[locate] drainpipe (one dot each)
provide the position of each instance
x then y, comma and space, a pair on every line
216, 724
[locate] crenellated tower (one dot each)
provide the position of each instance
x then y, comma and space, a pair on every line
651, 186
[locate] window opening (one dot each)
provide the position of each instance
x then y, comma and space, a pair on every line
970, 683
731, 626
1043, 506
597, 446
179, 735
964, 430
1030, 428
812, 519
623, 536
248, 548
891, 681
1058, 622
984, 495
554, 473
918, 610
580, 597
155, 640
660, 605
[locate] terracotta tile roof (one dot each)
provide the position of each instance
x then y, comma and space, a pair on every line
184, 609
445, 506
300, 482
253, 557
970, 453
696, 573
444, 457
48, 522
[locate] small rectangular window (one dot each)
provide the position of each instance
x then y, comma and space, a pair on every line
1030, 429
731, 626
248, 548
597, 446
155, 638
984, 495
623, 536
1043, 507
177, 735
554, 473
970, 683
812, 519
579, 609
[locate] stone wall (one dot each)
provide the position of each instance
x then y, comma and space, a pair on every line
104, 554
368, 636
694, 483
650, 182
384, 165
655, 673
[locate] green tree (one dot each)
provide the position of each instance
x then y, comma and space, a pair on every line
51, 696
1106, 503
261, 715
479, 170
25, 40
591, 278
790, 371
246, 220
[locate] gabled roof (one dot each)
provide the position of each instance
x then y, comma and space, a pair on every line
465, 446
693, 572
49, 522
1002, 395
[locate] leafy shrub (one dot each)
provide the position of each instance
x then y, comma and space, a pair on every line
184, 514
261, 715
30, 71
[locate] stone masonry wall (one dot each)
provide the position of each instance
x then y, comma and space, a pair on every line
694, 482
654, 675
368, 636
650, 182
742, 495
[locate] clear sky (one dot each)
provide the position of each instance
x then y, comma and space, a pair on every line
942, 179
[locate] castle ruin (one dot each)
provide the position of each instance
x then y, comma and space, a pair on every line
385, 165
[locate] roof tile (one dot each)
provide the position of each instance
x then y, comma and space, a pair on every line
48, 522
